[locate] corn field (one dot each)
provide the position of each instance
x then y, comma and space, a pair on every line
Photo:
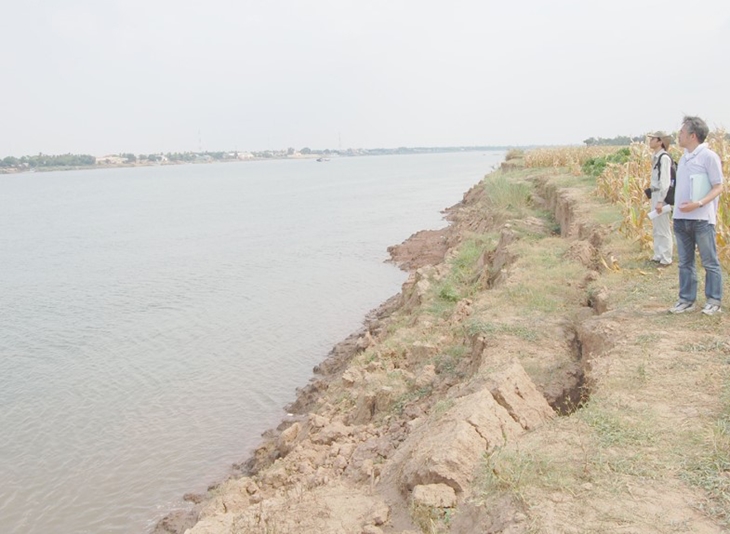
624, 184
571, 157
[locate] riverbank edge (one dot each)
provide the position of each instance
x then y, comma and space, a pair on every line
375, 430
423, 248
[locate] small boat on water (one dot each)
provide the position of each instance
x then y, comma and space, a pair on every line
322, 159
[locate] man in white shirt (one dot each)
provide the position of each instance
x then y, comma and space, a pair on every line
699, 183
661, 173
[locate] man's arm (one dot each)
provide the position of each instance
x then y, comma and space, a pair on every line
714, 173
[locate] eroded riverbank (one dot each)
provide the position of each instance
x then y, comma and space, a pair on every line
507, 388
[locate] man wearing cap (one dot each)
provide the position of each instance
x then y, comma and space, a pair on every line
661, 173
699, 183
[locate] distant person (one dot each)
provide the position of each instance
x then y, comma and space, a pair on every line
661, 173
699, 183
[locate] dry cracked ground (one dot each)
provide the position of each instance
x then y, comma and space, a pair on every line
527, 379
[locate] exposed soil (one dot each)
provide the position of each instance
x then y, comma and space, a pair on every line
541, 401
427, 247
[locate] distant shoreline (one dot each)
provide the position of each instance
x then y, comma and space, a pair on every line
204, 158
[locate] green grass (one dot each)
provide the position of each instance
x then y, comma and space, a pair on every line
440, 307
596, 166
460, 282
535, 299
507, 196
709, 344
449, 292
614, 426
514, 472
607, 215
565, 179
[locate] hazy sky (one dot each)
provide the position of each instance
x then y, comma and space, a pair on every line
141, 76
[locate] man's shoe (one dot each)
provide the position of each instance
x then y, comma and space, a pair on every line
711, 309
681, 307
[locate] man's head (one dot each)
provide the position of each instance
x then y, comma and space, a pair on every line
693, 132
659, 140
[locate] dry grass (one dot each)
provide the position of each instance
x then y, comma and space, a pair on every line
431, 520
649, 451
571, 157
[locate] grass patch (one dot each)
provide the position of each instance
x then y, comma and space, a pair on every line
480, 327
535, 299
397, 322
551, 284
552, 226
709, 345
607, 215
648, 339
614, 427
440, 307
442, 407
411, 396
574, 182
460, 282
709, 467
512, 472
448, 292
507, 197
632, 464
431, 520
456, 351
595, 166
449, 362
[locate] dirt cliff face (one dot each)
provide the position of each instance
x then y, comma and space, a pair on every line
449, 409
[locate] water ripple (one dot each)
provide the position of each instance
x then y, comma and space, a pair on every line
155, 321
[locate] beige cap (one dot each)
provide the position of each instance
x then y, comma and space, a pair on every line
666, 139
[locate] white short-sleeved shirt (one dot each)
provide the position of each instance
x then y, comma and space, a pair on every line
700, 160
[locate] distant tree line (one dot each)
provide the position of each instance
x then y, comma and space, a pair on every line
43, 160
85, 160
620, 140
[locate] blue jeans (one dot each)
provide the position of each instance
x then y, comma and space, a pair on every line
702, 234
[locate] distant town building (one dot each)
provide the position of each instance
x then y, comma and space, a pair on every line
110, 160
